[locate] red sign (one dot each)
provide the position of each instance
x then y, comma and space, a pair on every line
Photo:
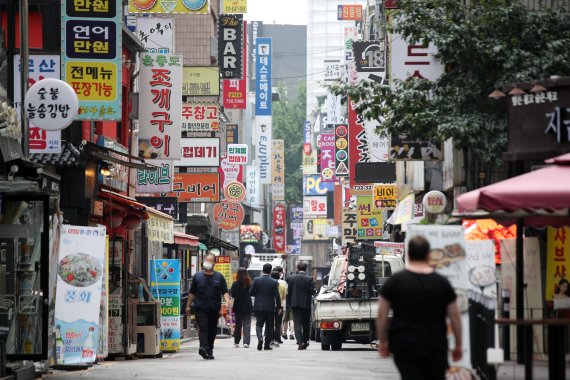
357, 146
307, 148
279, 230
229, 172
228, 216
196, 187
235, 90
350, 12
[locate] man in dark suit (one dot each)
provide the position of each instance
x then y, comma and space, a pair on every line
300, 300
267, 302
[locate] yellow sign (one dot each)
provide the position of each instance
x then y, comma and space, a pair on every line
169, 6
385, 196
224, 266
235, 6
201, 81
557, 263
160, 229
369, 219
92, 80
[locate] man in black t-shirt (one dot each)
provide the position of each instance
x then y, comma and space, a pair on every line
417, 333
205, 296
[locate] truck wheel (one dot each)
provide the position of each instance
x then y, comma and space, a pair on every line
318, 335
336, 346
325, 347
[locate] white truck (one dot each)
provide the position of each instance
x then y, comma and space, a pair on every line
259, 259
340, 317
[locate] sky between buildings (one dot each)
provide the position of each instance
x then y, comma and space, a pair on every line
278, 11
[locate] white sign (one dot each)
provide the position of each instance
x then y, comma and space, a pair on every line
414, 60
263, 146
332, 70
238, 154
40, 67
200, 117
252, 185
334, 109
156, 34
315, 206
230, 172
197, 152
434, 202
51, 104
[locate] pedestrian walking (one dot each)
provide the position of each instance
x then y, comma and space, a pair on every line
242, 307
267, 302
205, 298
282, 287
421, 301
300, 300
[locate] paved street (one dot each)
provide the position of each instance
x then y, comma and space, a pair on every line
354, 361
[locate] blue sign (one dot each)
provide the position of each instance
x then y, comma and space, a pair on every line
313, 185
263, 77
165, 286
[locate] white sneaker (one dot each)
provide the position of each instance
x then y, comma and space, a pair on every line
246, 346
236, 345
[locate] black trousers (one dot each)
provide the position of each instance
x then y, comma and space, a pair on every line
429, 367
243, 319
266, 318
302, 319
278, 325
207, 323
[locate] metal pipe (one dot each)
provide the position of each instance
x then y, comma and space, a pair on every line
520, 290
24, 73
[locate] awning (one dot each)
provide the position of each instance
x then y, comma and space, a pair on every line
104, 154
160, 226
118, 201
183, 239
212, 241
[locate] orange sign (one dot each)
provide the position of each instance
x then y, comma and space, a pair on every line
196, 187
228, 216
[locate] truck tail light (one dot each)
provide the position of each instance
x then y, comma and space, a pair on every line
330, 325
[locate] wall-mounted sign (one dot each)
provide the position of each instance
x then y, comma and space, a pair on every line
165, 286
232, 133
228, 216
314, 185
167, 205
349, 226
341, 150
416, 61
91, 50
155, 180
279, 229
349, 12
263, 144
278, 170
229, 172
263, 101
328, 162
156, 34
315, 229
201, 81
370, 60
369, 218
197, 187
238, 154
235, 6
315, 207
434, 202
51, 104
234, 192
160, 106
200, 152
250, 234
406, 148
235, 90
332, 70
252, 183
385, 196
230, 51
200, 117
169, 6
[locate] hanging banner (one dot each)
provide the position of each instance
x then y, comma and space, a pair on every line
91, 50
448, 257
263, 147
167, 205
230, 49
156, 34
278, 170
389, 248
78, 294
235, 6
349, 226
252, 184
196, 187
40, 67
200, 152
327, 145
263, 83
169, 6
238, 154
229, 172
155, 180
200, 117
279, 229
315, 207
558, 267
201, 81
235, 90
160, 106
341, 150
228, 216
369, 218
165, 286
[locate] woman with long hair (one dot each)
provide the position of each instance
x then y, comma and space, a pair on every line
242, 307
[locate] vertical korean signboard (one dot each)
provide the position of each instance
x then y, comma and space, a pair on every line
230, 50
78, 295
165, 286
235, 90
327, 157
160, 107
278, 170
156, 34
252, 185
341, 150
558, 267
279, 230
369, 218
91, 50
263, 77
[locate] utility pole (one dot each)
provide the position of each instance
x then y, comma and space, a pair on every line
24, 73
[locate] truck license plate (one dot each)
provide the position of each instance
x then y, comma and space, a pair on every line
360, 326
